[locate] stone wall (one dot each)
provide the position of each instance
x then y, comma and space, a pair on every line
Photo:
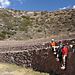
40, 59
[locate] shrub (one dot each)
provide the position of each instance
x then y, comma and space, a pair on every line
2, 36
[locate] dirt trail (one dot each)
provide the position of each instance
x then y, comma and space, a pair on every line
11, 43
18, 43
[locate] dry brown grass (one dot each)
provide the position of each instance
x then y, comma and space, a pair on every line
11, 69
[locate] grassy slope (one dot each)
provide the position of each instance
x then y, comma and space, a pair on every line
11, 69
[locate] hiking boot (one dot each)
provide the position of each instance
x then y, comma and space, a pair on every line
63, 67
54, 53
57, 59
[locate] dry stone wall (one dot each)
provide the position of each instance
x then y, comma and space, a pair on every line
40, 59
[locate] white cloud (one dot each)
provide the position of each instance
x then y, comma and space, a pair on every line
73, 6
64, 8
4, 3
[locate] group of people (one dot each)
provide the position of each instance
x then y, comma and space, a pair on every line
60, 50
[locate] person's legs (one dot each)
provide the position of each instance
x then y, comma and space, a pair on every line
64, 62
73, 50
60, 58
52, 49
57, 57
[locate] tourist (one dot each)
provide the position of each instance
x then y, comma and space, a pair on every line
59, 51
54, 46
64, 56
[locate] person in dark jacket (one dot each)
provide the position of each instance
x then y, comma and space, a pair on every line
59, 52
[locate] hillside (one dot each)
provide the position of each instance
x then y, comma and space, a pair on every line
24, 25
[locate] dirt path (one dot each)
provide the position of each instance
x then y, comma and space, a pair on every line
28, 42
8, 45
18, 43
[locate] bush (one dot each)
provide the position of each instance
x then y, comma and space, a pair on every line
2, 36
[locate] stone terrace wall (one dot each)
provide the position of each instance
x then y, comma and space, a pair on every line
40, 59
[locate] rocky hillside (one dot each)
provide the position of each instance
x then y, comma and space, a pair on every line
23, 25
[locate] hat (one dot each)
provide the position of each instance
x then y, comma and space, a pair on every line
52, 39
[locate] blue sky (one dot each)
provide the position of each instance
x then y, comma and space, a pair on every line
37, 5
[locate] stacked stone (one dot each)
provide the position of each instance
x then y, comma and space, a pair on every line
39, 57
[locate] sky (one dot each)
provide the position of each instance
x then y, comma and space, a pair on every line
37, 5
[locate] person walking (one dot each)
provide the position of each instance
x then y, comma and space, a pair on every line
54, 46
64, 56
59, 52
